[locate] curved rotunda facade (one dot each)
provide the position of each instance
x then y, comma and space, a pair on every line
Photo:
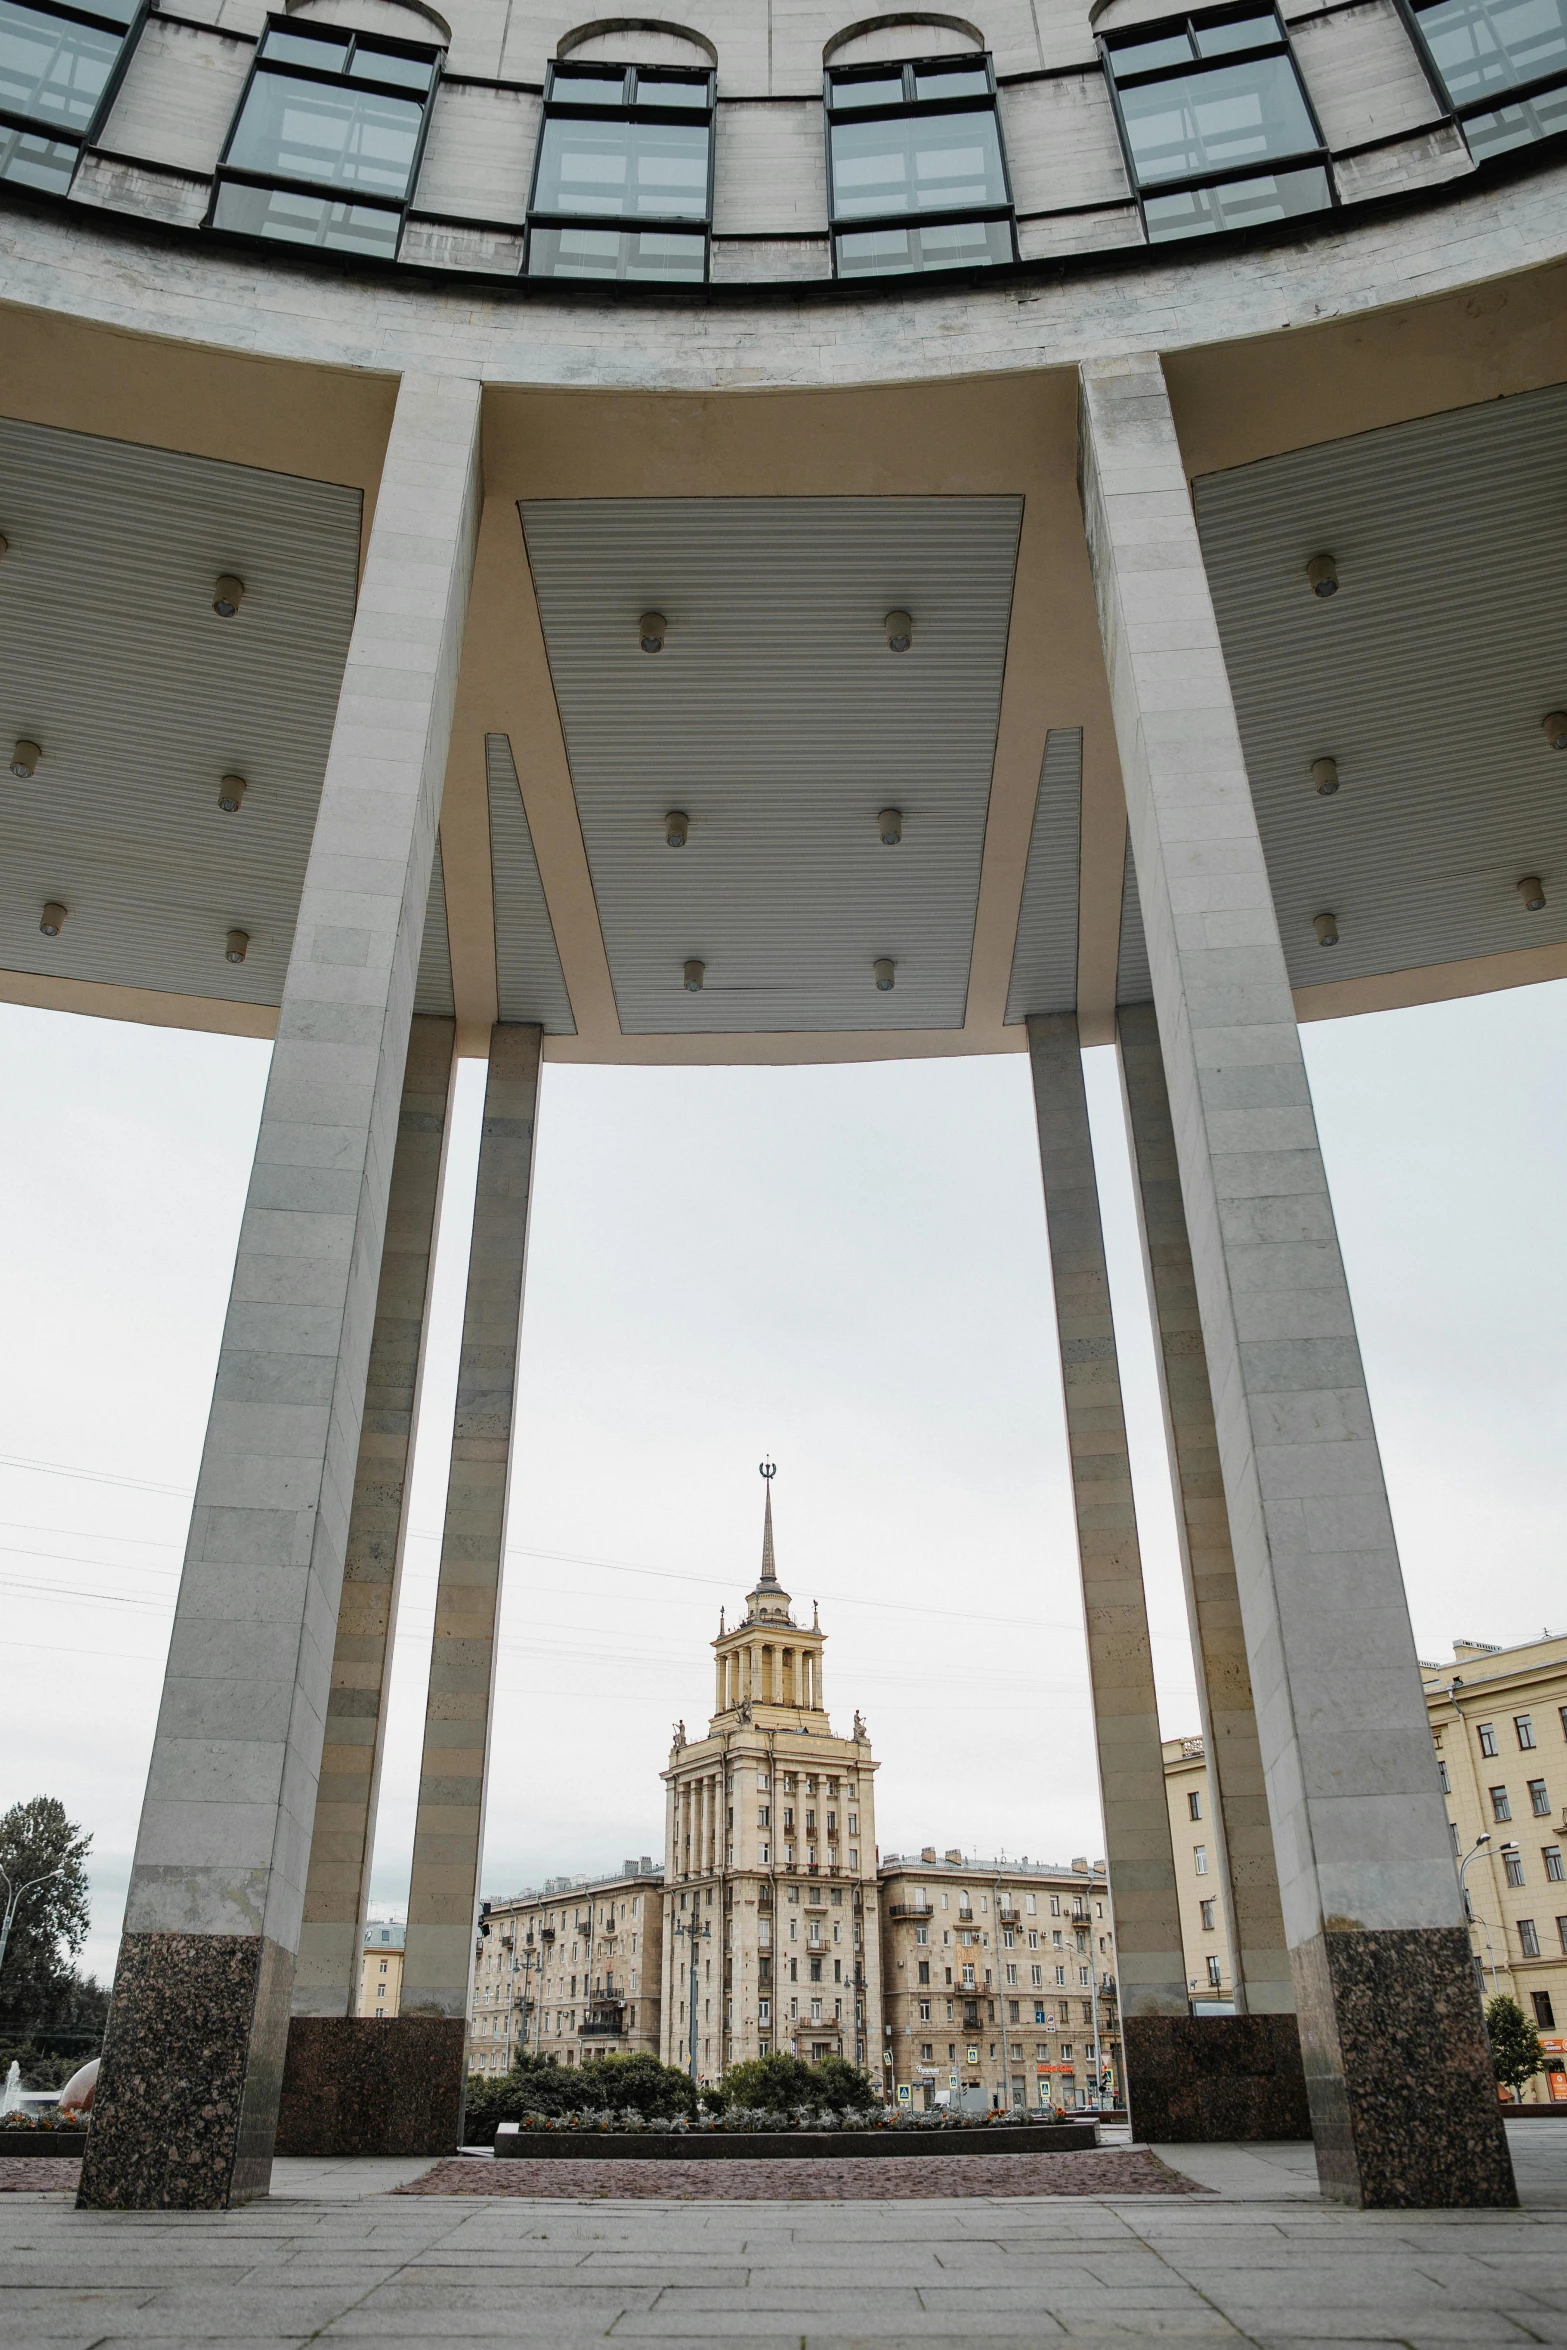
767, 537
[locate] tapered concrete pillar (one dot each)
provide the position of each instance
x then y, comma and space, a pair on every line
1150, 1965
187, 2100
337, 1888
449, 1825
1403, 2104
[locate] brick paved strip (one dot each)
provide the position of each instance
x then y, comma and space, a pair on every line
39, 2174
1133, 2172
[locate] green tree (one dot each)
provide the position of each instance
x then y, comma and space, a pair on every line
606, 2084
1516, 2054
785, 2084
40, 1990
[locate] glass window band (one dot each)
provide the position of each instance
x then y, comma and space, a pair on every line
916, 171
1500, 66
623, 176
60, 67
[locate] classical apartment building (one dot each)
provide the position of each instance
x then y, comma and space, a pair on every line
381, 1968
1205, 1936
1499, 1721
770, 1898
571, 1972
998, 1982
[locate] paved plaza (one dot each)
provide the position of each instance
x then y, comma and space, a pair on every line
334, 2256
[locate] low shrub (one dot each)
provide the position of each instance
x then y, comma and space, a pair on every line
785, 2084
537, 2088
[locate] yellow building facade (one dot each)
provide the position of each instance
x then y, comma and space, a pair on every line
1199, 1878
769, 1897
571, 1972
381, 1968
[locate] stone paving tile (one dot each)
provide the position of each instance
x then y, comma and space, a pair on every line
43, 2174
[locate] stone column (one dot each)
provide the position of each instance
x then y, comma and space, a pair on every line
1403, 2105
1151, 1966
443, 1897
337, 1889
187, 2100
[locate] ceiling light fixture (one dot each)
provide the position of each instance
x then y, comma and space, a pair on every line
53, 919
900, 632
5, 546
695, 973
228, 594
230, 792
1532, 893
1326, 928
1324, 776
677, 828
889, 825
1322, 572
651, 631
1554, 728
236, 946
885, 973
25, 758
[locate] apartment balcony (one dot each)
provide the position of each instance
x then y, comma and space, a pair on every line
910, 1909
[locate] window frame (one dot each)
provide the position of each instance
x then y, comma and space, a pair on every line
911, 108
554, 109
1459, 111
1137, 36
61, 135
242, 175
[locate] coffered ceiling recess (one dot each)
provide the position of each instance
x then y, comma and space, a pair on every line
1425, 678
142, 699
778, 721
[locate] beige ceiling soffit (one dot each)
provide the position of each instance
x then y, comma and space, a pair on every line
100, 1000
786, 1049
522, 706
1432, 983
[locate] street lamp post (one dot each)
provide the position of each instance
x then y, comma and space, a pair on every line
697, 1935
1481, 1844
14, 1897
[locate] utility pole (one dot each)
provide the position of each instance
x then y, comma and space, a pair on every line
696, 1935
14, 1898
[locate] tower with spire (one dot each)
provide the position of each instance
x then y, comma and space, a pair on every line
770, 1854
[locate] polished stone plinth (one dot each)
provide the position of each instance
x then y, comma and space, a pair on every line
1405, 2112
389, 2085
183, 2111
1203, 2080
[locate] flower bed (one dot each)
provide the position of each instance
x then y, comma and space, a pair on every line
49, 2133
733, 2137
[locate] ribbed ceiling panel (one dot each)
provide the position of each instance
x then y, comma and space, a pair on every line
1133, 979
1044, 961
141, 698
433, 987
779, 721
529, 979
1425, 677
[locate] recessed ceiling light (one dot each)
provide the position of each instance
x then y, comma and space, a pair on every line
1532, 892
695, 973
227, 595
677, 826
236, 946
651, 631
885, 971
889, 825
1322, 572
900, 632
53, 919
230, 792
1554, 727
1326, 928
25, 758
1324, 776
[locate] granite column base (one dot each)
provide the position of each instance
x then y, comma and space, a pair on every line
1204, 2079
372, 2085
1403, 2098
183, 2112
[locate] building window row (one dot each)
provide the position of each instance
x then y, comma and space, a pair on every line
1215, 122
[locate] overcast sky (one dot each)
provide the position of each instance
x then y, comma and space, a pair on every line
845, 1267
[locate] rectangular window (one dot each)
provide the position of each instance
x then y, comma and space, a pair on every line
1036, 1975
1194, 1804
1503, 64
924, 2011
915, 172
325, 147
1539, 1800
1525, 1729
1544, 2010
1441, 1772
1551, 1854
59, 70
1501, 1808
1486, 1733
623, 185
1207, 1914
1513, 1861
1528, 1938
1200, 1859
1207, 106
1215, 1972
